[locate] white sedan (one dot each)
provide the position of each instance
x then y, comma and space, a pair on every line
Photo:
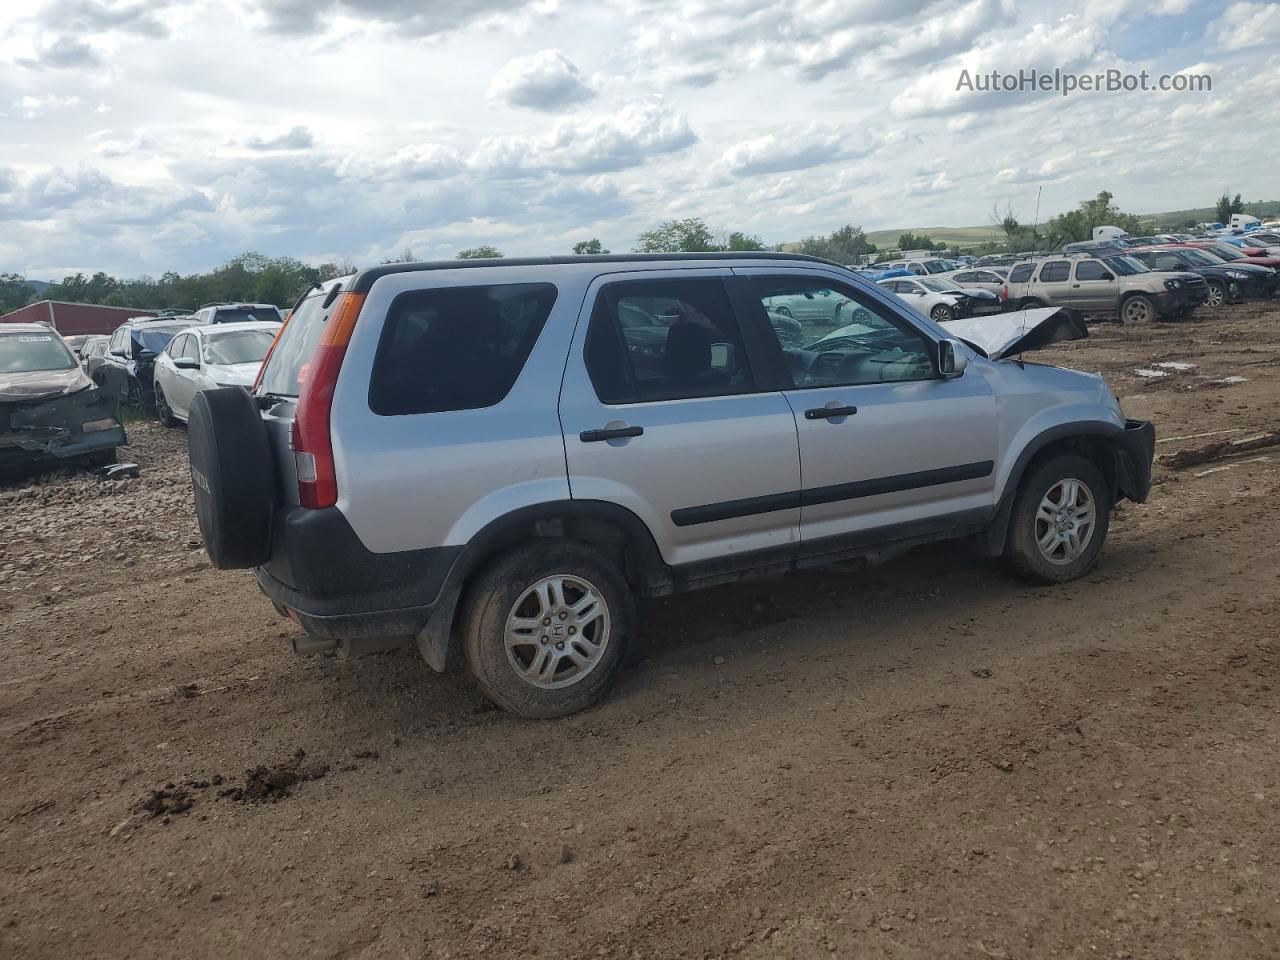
201, 358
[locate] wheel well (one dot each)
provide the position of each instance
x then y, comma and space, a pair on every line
1096, 448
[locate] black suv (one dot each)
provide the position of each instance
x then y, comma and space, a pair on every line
129, 365
1228, 282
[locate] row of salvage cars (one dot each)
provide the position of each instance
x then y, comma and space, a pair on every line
1118, 280
61, 399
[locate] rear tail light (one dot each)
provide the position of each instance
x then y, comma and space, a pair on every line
1004, 292
312, 444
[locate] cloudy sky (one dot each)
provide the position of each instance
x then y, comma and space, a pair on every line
147, 136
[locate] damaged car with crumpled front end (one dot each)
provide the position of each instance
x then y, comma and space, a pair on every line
51, 413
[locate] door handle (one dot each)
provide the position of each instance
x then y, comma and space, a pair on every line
610, 433
827, 413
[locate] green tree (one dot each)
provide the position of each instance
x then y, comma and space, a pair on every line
844, 245
591, 247
479, 253
677, 236
742, 241
910, 241
14, 292
1076, 225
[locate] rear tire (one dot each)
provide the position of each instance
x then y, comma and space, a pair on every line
163, 410
1048, 541
574, 593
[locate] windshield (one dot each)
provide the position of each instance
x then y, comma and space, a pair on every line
937, 266
30, 352
1226, 251
242, 314
237, 346
153, 338
1199, 258
938, 285
1126, 266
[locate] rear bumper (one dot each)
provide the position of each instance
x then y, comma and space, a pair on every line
1135, 450
335, 587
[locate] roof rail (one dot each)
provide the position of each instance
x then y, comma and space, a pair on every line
365, 279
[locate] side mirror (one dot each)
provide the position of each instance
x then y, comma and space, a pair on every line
120, 353
1108, 276
951, 358
186, 363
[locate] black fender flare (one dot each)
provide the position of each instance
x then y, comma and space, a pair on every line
994, 539
645, 568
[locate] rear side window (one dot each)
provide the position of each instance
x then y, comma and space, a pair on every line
456, 348
1055, 272
1021, 273
666, 340
291, 360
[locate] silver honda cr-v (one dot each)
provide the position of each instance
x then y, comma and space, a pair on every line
497, 457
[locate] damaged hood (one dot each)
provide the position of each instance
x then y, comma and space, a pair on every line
42, 384
1004, 335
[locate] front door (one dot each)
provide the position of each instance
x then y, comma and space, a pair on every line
1094, 287
888, 448
666, 412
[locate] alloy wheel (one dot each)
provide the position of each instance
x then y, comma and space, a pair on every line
1065, 521
557, 632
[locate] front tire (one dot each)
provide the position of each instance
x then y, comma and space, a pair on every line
942, 313
546, 626
1138, 309
1059, 522
1217, 295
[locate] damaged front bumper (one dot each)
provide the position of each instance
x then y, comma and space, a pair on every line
68, 428
1135, 450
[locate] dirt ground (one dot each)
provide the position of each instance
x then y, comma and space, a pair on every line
924, 760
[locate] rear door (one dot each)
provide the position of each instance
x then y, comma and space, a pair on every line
666, 412
888, 448
1053, 282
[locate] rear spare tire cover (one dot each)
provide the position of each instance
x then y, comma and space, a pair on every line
232, 477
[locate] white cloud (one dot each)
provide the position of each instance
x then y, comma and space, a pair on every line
352, 128
1248, 24
546, 80
797, 148
596, 144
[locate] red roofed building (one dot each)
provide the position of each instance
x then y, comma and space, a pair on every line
70, 319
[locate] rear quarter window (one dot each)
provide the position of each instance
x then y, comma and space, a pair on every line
1021, 273
456, 348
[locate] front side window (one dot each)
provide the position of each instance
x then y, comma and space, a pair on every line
1055, 271
456, 348
673, 339
1091, 270
860, 341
